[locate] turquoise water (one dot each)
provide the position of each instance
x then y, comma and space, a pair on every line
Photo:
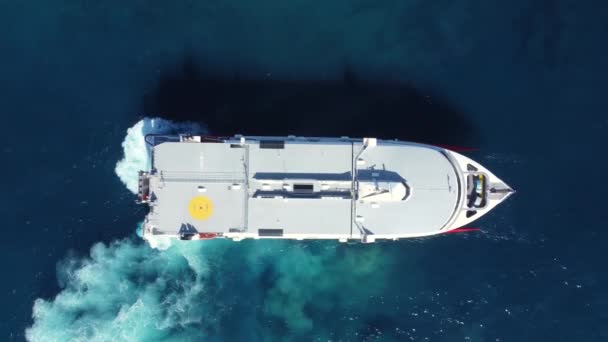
525, 82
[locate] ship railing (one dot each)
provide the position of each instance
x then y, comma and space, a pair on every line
203, 177
155, 139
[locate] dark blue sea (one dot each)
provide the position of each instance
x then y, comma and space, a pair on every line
524, 81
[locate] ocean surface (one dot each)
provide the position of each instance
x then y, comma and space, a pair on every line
523, 81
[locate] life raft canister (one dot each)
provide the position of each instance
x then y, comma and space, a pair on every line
203, 236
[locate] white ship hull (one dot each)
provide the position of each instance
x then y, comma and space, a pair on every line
310, 188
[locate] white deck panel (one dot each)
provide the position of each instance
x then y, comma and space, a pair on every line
432, 200
197, 157
301, 158
300, 216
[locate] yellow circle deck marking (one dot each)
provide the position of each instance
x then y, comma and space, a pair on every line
201, 207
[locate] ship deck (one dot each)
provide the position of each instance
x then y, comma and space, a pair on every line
299, 189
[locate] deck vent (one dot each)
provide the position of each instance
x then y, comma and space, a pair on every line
303, 188
270, 232
272, 144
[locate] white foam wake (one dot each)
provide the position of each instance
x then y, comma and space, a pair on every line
127, 291
136, 152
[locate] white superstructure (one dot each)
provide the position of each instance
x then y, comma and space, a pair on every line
310, 188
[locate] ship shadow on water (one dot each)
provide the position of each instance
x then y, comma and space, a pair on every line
348, 107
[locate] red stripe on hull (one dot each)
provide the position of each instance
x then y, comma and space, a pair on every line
463, 230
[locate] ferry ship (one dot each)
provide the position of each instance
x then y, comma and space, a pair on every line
260, 187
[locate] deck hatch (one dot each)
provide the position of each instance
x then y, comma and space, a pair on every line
270, 232
272, 144
303, 188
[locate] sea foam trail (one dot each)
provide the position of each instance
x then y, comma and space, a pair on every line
218, 290
136, 152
